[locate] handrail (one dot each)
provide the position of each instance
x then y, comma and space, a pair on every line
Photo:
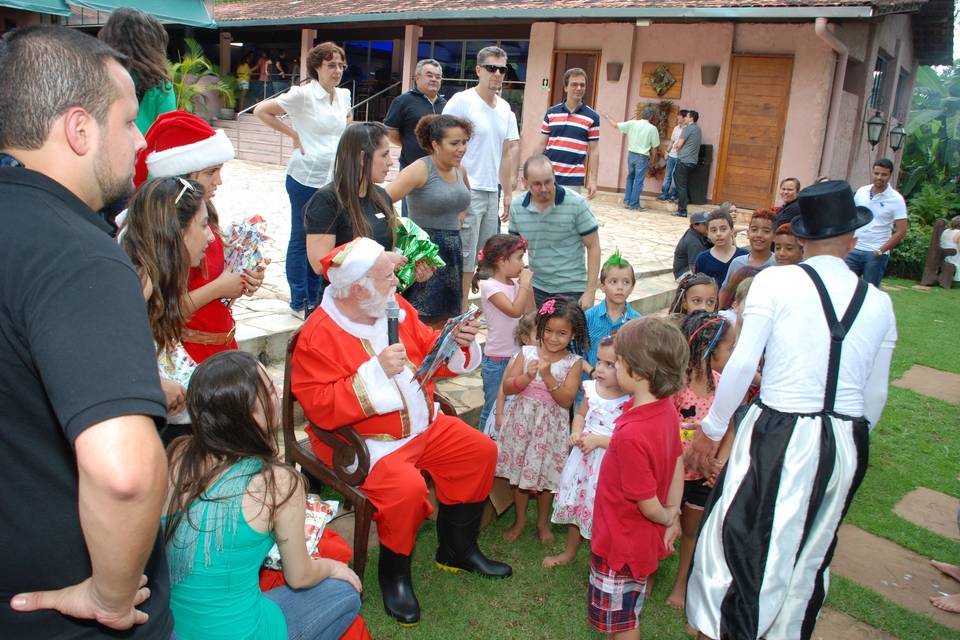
369, 98
254, 105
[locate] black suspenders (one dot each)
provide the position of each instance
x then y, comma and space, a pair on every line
838, 330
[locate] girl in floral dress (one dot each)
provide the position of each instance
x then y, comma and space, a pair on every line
536, 425
592, 427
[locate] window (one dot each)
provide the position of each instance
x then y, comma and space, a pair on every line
879, 81
901, 103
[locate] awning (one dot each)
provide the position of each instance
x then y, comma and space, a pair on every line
189, 12
53, 7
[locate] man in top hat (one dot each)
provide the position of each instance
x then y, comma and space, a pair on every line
800, 453
346, 373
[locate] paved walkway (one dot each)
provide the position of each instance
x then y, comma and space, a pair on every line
646, 238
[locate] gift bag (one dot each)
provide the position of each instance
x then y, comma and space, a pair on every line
318, 514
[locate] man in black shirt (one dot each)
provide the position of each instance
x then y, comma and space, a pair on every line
81, 463
692, 243
406, 110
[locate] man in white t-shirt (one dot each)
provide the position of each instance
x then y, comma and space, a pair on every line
889, 226
492, 156
669, 189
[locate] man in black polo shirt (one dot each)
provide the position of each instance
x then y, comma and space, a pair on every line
406, 110
81, 464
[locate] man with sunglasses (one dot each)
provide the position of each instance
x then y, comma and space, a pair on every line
492, 156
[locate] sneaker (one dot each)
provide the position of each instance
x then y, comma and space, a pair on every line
298, 313
680, 214
661, 198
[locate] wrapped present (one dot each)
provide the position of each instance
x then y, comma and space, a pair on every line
414, 244
318, 514
445, 345
242, 246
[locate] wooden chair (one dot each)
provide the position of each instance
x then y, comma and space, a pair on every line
350, 462
936, 269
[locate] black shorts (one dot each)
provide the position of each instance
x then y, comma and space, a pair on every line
695, 493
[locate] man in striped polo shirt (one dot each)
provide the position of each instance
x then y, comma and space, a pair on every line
558, 225
571, 136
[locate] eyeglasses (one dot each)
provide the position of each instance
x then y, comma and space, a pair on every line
186, 187
492, 68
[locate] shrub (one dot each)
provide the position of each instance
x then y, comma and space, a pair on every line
908, 258
934, 202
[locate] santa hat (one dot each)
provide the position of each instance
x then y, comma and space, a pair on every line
179, 143
349, 262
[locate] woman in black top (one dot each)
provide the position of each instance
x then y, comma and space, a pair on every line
353, 204
341, 211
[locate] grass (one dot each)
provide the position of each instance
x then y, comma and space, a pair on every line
917, 443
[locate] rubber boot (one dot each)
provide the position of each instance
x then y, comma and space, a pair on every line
457, 528
399, 600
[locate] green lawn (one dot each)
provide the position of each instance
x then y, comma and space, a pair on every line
917, 443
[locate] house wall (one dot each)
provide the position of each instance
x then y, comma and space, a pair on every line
892, 36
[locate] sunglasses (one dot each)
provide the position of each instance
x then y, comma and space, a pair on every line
186, 186
492, 68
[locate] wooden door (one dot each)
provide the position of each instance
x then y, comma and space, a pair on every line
755, 114
589, 61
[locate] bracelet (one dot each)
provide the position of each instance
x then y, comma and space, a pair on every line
555, 387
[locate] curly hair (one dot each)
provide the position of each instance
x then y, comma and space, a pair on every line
703, 331
525, 325
153, 238
679, 304
433, 127
569, 310
143, 40
764, 214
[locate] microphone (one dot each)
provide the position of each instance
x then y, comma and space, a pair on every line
393, 321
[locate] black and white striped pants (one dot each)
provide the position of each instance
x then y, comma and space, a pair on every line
770, 527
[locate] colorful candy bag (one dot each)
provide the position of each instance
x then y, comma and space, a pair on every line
241, 246
415, 245
319, 513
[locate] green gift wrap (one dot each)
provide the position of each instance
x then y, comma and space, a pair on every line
414, 244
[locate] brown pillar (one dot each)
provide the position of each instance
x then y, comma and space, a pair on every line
307, 36
411, 42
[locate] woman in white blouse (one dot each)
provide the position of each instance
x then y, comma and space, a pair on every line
319, 112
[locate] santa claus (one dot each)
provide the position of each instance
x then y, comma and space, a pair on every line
345, 372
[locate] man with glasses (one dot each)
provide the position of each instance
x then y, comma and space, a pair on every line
571, 136
492, 155
407, 109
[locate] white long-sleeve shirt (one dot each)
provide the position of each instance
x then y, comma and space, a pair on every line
784, 320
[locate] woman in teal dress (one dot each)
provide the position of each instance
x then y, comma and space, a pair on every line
230, 499
143, 40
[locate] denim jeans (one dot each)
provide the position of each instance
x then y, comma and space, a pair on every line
868, 266
492, 370
540, 296
304, 283
321, 612
669, 189
637, 164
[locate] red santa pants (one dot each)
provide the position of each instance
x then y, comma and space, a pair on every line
459, 459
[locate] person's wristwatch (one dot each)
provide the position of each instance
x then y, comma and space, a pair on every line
878, 253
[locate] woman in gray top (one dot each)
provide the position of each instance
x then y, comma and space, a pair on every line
438, 194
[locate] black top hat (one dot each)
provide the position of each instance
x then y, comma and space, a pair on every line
827, 210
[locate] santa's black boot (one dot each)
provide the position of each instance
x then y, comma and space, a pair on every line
457, 528
398, 597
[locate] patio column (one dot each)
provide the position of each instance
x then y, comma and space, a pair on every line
536, 95
307, 36
225, 40
411, 43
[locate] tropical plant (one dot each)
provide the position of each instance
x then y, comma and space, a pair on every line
931, 154
932, 202
187, 74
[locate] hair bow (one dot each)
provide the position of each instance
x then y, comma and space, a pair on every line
548, 307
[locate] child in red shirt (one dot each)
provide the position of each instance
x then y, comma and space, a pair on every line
636, 513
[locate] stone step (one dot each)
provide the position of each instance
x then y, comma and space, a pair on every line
649, 202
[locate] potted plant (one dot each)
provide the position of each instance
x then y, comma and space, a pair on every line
196, 79
228, 97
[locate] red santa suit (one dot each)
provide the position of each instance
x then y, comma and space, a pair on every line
338, 381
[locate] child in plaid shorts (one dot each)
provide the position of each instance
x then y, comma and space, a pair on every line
637, 507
